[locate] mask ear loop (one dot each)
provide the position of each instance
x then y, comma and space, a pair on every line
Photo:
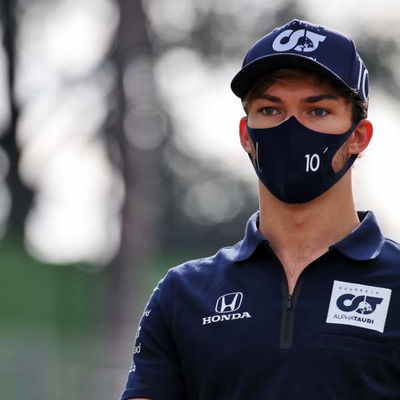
255, 161
257, 158
347, 165
327, 158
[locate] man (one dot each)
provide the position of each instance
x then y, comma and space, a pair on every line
306, 305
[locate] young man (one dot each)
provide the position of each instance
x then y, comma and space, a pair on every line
306, 305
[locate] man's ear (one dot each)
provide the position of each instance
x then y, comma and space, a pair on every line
244, 136
361, 137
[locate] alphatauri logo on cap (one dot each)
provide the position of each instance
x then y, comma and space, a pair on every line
359, 305
226, 306
301, 40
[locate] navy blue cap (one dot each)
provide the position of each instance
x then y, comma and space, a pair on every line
302, 44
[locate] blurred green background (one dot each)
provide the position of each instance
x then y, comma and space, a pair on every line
120, 158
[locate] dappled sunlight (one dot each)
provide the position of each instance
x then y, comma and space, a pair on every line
205, 113
78, 198
144, 123
71, 38
63, 85
213, 202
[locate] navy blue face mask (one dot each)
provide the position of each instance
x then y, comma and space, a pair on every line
295, 162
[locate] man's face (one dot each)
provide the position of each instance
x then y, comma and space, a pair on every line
315, 105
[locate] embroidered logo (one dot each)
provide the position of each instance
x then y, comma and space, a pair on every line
226, 306
229, 302
358, 305
300, 40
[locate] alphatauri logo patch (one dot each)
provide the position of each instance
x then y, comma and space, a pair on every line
301, 40
227, 307
359, 305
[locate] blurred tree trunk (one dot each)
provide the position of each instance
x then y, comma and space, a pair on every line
134, 123
21, 195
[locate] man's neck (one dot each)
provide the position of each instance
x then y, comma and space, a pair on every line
300, 233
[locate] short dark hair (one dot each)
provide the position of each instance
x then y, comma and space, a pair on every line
359, 106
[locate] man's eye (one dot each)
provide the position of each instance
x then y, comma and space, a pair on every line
319, 112
268, 111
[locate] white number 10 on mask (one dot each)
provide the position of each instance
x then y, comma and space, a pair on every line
312, 163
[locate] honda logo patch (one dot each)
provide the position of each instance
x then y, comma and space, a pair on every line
226, 306
229, 302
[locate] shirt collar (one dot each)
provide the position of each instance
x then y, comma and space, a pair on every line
364, 243
251, 240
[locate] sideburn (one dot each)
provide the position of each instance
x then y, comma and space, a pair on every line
341, 156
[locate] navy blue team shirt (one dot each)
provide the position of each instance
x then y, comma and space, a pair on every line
226, 328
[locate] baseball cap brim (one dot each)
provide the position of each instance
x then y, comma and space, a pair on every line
246, 78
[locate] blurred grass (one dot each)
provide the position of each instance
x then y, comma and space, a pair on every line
47, 313
51, 321
33, 291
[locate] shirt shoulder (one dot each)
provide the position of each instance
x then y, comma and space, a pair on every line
391, 251
392, 244
206, 267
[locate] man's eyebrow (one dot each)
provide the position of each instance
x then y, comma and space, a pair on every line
310, 99
316, 99
269, 97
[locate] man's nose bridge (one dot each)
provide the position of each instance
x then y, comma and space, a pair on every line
290, 125
290, 120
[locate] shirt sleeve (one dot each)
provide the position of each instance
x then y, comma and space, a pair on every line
155, 372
